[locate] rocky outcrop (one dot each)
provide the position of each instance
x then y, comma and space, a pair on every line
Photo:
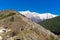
23, 28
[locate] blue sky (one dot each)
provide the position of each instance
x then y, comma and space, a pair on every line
40, 6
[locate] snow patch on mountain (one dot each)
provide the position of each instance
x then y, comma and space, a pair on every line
37, 17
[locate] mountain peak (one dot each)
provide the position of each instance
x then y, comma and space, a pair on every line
37, 17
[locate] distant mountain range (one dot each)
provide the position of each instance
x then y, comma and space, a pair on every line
37, 17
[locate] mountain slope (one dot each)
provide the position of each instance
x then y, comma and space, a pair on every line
52, 25
21, 28
37, 17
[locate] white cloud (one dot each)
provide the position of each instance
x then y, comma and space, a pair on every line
36, 17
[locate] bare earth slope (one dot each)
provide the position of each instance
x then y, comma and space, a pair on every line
23, 28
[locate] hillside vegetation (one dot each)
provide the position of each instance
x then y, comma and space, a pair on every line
4, 16
15, 26
52, 25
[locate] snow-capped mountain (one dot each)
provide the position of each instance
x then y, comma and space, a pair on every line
37, 17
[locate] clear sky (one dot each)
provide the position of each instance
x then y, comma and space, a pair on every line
40, 6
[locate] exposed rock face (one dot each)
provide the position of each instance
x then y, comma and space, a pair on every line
23, 28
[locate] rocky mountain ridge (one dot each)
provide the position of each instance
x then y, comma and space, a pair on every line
22, 28
37, 17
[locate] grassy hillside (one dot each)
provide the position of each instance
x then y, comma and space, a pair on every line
52, 25
17, 27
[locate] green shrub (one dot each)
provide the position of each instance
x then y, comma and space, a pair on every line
53, 38
10, 14
4, 16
